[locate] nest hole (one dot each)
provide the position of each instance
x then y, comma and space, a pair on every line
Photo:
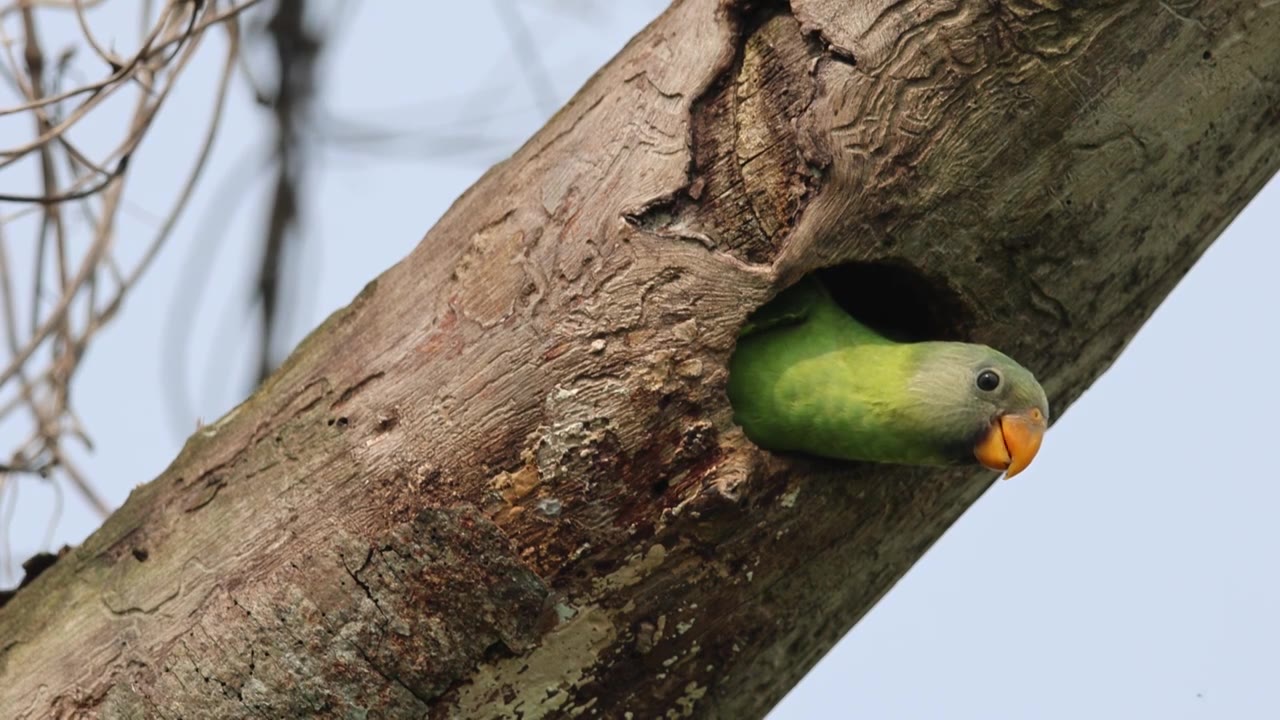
899, 301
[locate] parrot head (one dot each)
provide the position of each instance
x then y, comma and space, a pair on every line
991, 404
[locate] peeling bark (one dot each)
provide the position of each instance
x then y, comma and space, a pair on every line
505, 481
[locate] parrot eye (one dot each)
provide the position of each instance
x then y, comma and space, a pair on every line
988, 380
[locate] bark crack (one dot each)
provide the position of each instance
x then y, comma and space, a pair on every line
392, 678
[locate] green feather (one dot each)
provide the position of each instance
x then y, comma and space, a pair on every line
808, 377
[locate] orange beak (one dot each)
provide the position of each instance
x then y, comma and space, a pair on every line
1012, 442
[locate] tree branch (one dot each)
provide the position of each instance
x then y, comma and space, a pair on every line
505, 480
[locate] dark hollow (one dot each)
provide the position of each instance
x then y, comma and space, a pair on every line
899, 301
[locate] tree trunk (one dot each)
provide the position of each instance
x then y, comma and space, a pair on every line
505, 481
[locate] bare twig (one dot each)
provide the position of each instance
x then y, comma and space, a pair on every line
75, 286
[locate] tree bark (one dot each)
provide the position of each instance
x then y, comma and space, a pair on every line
505, 481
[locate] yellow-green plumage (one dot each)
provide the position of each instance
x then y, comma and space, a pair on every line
808, 377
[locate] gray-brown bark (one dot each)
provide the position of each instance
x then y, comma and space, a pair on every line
505, 482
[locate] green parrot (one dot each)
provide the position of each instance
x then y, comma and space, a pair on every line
808, 377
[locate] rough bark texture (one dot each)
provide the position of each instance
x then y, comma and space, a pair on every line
505, 482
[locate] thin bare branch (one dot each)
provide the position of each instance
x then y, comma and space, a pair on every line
74, 286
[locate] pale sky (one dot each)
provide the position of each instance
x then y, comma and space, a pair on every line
1129, 573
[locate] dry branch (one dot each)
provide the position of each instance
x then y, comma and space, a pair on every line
43, 357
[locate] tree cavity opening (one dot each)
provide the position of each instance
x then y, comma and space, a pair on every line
899, 301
